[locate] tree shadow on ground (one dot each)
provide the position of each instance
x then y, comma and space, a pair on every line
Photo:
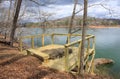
13, 59
48, 73
3, 56
42, 73
3, 49
5, 42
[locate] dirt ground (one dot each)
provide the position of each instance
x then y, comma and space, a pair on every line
14, 65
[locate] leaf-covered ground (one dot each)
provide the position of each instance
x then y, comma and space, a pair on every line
14, 65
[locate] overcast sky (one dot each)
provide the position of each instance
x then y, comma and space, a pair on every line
63, 8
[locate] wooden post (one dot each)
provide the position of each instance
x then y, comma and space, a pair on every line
92, 69
91, 63
52, 37
86, 64
88, 45
68, 38
79, 49
28, 52
87, 58
66, 59
94, 42
87, 53
32, 42
43, 39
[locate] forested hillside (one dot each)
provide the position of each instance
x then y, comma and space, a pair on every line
64, 22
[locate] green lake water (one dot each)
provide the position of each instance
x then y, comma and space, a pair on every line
107, 42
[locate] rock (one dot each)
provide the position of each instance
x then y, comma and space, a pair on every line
56, 53
102, 61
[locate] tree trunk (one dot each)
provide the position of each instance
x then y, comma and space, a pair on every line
14, 25
83, 37
73, 15
9, 11
72, 18
8, 20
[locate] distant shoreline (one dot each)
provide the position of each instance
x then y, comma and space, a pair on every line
102, 26
90, 26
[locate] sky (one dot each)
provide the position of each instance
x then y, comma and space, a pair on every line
63, 8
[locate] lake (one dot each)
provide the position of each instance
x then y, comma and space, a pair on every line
107, 42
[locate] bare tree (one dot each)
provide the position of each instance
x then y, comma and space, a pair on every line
83, 37
14, 25
72, 17
9, 11
42, 3
8, 22
4, 18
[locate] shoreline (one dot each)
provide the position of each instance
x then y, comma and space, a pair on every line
102, 26
91, 26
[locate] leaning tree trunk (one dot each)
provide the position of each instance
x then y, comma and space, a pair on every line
83, 38
73, 15
14, 25
72, 19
